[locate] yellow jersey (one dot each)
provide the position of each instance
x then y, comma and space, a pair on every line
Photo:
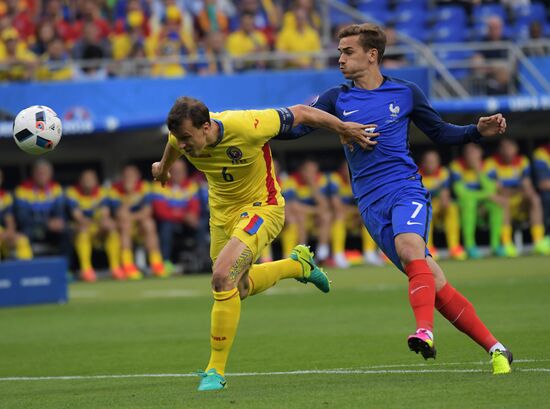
239, 166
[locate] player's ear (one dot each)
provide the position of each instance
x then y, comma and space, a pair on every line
373, 55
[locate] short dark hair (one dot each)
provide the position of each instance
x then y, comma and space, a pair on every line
370, 36
187, 108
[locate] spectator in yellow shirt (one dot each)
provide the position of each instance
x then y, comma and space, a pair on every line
16, 61
246, 40
55, 64
299, 39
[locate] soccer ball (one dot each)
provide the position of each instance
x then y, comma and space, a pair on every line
37, 129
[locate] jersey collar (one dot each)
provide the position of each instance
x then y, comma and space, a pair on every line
220, 133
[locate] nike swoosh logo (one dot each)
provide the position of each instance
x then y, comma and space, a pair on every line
411, 223
418, 288
347, 113
311, 267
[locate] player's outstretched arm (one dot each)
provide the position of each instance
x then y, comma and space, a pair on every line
348, 131
161, 170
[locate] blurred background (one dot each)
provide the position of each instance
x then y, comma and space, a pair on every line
111, 69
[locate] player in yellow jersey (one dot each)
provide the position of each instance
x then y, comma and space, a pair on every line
246, 205
436, 179
347, 216
88, 205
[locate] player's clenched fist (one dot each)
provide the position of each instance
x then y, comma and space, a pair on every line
159, 174
491, 125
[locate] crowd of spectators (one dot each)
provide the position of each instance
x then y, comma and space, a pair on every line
168, 38
42, 40
504, 191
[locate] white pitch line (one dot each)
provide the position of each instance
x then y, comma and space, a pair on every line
287, 373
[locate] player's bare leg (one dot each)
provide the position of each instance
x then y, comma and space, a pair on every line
411, 250
461, 313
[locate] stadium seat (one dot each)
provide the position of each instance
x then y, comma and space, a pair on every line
483, 11
410, 13
419, 3
379, 15
447, 32
527, 13
373, 4
338, 17
416, 31
449, 13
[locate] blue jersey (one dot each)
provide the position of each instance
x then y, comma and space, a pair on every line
391, 107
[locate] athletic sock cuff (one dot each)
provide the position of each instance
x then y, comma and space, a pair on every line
225, 295
417, 267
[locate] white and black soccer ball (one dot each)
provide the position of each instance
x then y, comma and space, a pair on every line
37, 129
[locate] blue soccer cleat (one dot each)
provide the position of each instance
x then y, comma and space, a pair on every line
211, 381
312, 273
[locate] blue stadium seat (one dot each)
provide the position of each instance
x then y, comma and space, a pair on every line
483, 11
379, 14
415, 31
419, 3
449, 13
449, 32
410, 13
527, 13
338, 18
373, 4
521, 30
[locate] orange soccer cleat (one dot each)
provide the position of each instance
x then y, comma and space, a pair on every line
132, 273
88, 275
118, 273
159, 270
458, 253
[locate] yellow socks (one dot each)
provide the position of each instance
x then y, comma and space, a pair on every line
112, 248
83, 245
289, 239
226, 312
506, 235
155, 257
537, 233
266, 275
338, 237
369, 244
127, 257
23, 250
452, 226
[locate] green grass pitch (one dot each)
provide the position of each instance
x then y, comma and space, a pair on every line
295, 348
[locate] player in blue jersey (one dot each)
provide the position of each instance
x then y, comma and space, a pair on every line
394, 204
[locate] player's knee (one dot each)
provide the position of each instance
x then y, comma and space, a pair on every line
221, 281
409, 250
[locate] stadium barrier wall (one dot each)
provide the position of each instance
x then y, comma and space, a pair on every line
124, 104
38, 281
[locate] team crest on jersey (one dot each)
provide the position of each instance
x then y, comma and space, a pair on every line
394, 109
235, 154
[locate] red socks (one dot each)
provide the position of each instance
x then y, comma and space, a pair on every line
421, 292
461, 313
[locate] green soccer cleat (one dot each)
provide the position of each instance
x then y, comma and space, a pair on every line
502, 362
211, 381
312, 273
511, 251
542, 247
